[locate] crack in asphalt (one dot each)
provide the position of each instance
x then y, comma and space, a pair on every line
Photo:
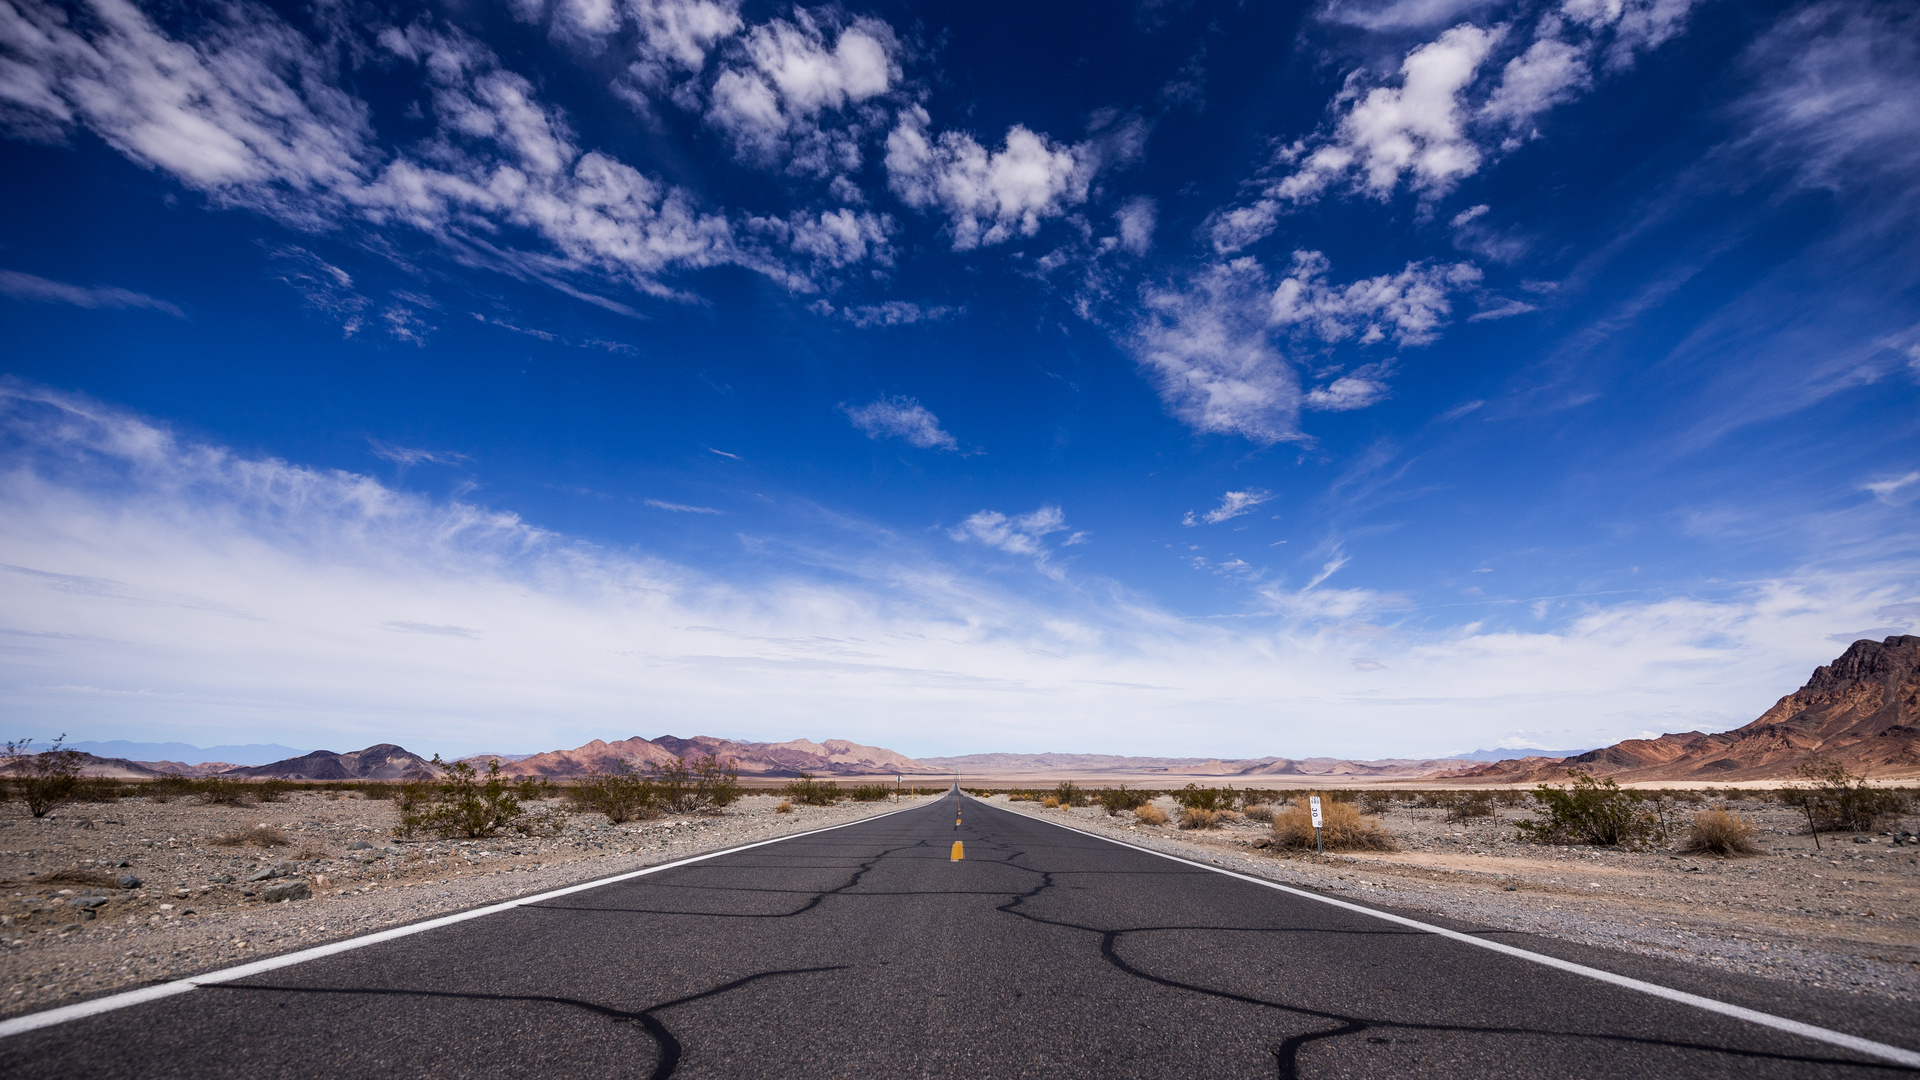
669, 1047
1287, 1054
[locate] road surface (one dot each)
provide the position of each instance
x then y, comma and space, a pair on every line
866, 951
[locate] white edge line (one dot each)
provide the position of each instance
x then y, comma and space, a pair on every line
34, 1021
1855, 1043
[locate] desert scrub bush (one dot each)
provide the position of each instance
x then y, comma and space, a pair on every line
1589, 811
1199, 817
871, 793
808, 791
382, 790
1114, 800
167, 788
222, 791
1509, 797
618, 791
1716, 832
1261, 812
1150, 814
272, 790
99, 789
783, 807
1049, 803
462, 802
258, 836
43, 780
534, 789
1022, 796
1374, 802
1836, 799
1467, 805
1194, 797
1069, 794
703, 783
1342, 828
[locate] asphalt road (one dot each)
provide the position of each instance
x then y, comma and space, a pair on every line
866, 952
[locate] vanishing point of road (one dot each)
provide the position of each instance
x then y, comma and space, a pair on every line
869, 951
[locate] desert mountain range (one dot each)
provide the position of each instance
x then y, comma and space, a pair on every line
1862, 710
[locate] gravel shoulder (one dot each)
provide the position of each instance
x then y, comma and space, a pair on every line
200, 905
1845, 917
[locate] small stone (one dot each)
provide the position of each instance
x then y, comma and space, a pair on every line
70, 928
87, 901
287, 890
221, 879
128, 881
359, 845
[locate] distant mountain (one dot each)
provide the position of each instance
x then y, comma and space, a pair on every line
383, 761
1117, 765
1512, 752
830, 758
1862, 710
183, 754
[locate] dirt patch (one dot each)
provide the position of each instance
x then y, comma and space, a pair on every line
100, 897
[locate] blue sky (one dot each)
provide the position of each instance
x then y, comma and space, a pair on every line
1356, 378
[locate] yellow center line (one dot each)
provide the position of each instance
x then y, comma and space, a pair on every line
958, 852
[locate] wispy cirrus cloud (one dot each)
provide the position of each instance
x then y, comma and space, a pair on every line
21, 286
1232, 505
413, 455
680, 508
899, 417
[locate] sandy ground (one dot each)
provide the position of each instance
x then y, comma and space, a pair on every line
194, 909
1846, 917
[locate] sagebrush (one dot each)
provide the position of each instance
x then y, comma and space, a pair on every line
1342, 828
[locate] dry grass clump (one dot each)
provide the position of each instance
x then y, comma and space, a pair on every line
1343, 829
783, 807
258, 836
1150, 815
1717, 832
1259, 812
1049, 803
1199, 817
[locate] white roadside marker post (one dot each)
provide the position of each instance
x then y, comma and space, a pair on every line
1313, 807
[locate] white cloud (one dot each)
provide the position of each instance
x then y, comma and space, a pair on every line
1232, 505
832, 238
1889, 490
988, 196
1411, 306
250, 113
1415, 130
197, 590
1400, 14
888, 313
679, 508
1548, 73
30, 287
1205, 344
901, 418
1135, 221
1837, 96
769, 100
1637, 25
1024, 535
1442, 121
1357, 389
413, 455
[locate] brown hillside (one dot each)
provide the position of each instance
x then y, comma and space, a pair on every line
1862, 710
829, 758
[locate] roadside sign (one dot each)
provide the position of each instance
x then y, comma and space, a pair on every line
1313, 806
